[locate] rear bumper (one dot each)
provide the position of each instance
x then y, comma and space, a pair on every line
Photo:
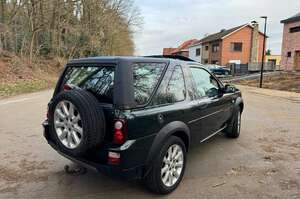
132, 159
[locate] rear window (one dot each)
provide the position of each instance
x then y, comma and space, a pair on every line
146, 77
98, 80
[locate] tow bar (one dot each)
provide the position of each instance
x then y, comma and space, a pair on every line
75, 169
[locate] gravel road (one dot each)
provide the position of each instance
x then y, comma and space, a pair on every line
263, 163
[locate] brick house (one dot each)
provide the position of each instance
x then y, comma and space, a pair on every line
180, 50
290, 57
168, 51
241, 45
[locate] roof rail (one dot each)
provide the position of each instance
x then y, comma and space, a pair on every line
179, 57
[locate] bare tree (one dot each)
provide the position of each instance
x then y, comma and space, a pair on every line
68, 28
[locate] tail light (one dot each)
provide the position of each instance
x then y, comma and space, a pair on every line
119, 136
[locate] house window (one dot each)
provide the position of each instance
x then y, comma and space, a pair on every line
295, 29
198, 52
289, 54
206, 48
215, 48
215, 62
236, 47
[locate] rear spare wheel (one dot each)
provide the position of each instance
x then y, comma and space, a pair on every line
77, 121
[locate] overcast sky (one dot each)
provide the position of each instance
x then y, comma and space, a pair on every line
167, 23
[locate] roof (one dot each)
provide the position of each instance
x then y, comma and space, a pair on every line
167, 51
115, 60
184, 46
178, 57
221, 34
195, 43
127, 59
294, 18
224, 33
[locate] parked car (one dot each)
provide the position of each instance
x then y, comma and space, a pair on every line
218, 70
137, 117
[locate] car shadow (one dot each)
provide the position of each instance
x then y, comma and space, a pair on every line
199, 163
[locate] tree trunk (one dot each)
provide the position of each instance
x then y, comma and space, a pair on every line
2, 11
32, 45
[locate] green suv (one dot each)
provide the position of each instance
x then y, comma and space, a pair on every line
137, 117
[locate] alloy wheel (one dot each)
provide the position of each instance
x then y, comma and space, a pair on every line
67, 124
172, 165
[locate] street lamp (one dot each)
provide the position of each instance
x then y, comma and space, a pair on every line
263, 52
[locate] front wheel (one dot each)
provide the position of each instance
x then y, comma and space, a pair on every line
234, 125
168, 167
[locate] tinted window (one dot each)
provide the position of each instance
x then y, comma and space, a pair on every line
206, 84
175, 89
98, 80
176, 86
146, 76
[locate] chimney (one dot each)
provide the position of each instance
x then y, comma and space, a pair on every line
254, 42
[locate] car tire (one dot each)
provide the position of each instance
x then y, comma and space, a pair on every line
84, 128
164, 178
234, 125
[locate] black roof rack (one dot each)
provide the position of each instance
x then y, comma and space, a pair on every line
179, 57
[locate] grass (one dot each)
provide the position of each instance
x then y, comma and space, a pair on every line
19, 87
286, 81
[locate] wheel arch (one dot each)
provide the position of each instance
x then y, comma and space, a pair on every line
239, 103
176, 128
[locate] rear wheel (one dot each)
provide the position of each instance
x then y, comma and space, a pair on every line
168, 167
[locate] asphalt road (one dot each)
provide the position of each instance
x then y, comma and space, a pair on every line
263, 163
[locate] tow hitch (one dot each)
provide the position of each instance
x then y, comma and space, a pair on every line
75, 169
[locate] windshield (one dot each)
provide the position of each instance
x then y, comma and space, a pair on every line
98, 80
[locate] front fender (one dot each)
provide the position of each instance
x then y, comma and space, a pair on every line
168, 130
239, 103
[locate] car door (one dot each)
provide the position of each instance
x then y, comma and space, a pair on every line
211, 105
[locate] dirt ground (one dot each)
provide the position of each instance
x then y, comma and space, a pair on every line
19, 75
263, 163
285, 81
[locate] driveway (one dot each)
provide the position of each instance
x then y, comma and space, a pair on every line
263, 163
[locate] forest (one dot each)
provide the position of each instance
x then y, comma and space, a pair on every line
68, 28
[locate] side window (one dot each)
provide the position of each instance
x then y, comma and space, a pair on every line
206, 84
146, 76
175, 89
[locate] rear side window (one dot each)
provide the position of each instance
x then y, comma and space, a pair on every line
146, 76
97, 80
175, 89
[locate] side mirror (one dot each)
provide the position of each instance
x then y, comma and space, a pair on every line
228, 88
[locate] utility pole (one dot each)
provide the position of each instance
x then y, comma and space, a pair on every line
263, 53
